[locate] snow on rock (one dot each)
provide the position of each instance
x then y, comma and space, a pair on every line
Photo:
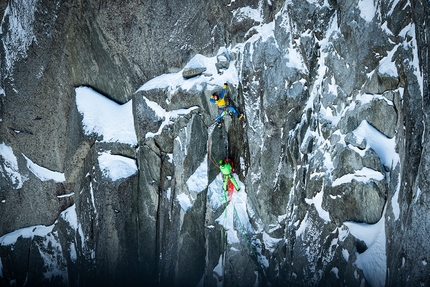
218, 271
234, 219
364, 175
49, 246
215, 194
387, 65
269, 242
317, 202
106, 118
9, 167
303, 226
199, 61
384, 147
21, 15
28, 232
175, 81
373, 261
198, 181
245, 13
116, 166
69, 215
184, 201
44, 174
167, 116
367, 9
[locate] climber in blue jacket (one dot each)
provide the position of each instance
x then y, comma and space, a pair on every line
223, 104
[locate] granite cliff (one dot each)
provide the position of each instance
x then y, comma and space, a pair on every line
109, 152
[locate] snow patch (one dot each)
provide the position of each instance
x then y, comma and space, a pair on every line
44, 174
28, 232
373, 261
69, 215
210, 79
367, 10
270, 242
245, 13
168, 117
198, 181
9, 168
184, 201
381, 144
104, 117
115, 166
317, 202
364, 175
20, 34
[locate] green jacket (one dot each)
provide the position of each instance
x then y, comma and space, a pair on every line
225, 169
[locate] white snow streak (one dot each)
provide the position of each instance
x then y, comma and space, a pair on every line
168, 117
44, 174
364, 175
317, 202
9, 168
198, 181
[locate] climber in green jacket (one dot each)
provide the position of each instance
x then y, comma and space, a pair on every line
226, 170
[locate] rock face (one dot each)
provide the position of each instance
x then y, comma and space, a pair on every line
332, 158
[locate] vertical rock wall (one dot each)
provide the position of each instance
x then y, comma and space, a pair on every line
335, 95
